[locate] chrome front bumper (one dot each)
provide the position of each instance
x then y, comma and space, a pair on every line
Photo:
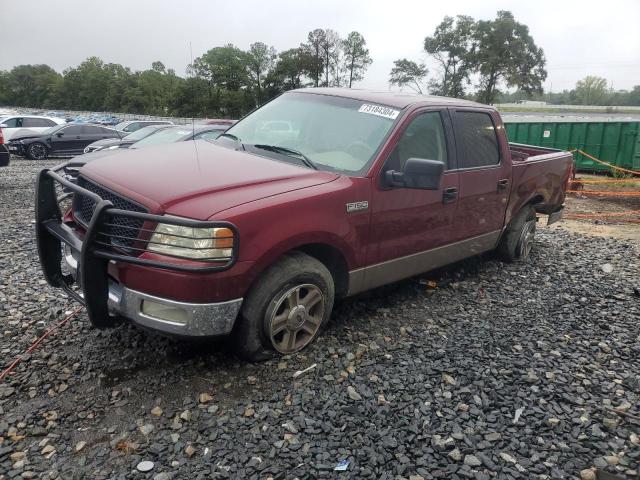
165, 315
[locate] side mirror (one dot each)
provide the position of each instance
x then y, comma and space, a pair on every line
417, 173
59, 134
4, 125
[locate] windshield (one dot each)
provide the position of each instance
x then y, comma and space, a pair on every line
140, 134
335, 133
168, 135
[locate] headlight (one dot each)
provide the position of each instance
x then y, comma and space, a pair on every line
207, 244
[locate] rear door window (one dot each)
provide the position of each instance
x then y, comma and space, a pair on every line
73, 130
476, 140
37, 123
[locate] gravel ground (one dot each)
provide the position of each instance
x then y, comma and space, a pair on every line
502, 371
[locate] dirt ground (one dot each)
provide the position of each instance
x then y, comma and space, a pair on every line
597, 207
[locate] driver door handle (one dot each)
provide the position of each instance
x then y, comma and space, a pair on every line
449, 195
503, 184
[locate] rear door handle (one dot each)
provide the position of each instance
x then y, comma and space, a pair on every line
503, 184
449, 195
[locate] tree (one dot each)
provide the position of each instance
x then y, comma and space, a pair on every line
313, 47
224, 67
292, 65
261, 61
356, 56
591, 90
30, 85
331, 49
407, 73
452, 47
505, 52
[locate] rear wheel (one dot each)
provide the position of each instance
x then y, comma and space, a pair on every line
286, 309
37, 151
518, 238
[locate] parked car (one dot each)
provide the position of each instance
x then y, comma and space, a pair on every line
62, 140
219, 121
133, 125
12, 124
126, 141
4, 152
256, 238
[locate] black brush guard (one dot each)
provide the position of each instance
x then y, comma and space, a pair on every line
94, 252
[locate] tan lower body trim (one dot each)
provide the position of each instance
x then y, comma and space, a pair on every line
404, 267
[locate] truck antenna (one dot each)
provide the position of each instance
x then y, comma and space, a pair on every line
193, 93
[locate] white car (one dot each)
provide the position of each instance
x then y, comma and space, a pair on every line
12, 124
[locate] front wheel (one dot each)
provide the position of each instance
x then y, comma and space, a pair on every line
517, 240
286, 309
37, 151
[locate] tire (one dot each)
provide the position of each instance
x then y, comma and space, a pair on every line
37, 151
518, 237
286, 309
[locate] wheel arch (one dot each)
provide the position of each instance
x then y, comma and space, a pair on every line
328, 250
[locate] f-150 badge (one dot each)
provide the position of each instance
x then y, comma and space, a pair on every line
357, 206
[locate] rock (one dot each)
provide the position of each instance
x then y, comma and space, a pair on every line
588, 474
145, 466
251, 380
16, 456
507, 458
612, 459
472, 461
448, 379
190, 451
382, 400
80, 445
492, 436
455, 455
162, 476
607, 268
552, 422
146, 429
353, 394
157, 411
249, 412
48, 449
175, 437
205, 398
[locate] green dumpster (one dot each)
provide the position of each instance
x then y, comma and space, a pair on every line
615, 142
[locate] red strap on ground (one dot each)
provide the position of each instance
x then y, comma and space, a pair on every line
35, 344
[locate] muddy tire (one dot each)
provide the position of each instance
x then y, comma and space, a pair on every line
37, 151
518, 238
286, 309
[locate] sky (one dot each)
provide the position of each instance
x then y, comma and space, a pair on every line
579, 37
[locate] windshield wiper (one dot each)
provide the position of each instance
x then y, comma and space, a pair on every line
232, 137
290, 152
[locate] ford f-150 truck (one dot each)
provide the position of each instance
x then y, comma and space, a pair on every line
319, 194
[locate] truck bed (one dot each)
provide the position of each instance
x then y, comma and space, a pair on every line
545, 171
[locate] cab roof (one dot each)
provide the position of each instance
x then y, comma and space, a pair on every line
399, 100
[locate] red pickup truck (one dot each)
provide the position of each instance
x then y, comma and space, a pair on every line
319, 194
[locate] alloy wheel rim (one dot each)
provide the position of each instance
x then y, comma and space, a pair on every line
37, 151
526, 238
296, 318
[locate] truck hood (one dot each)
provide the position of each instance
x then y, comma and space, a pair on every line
197, 179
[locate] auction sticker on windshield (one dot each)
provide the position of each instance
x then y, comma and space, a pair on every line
380, 111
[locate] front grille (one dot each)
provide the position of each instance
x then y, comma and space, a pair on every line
120, 231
